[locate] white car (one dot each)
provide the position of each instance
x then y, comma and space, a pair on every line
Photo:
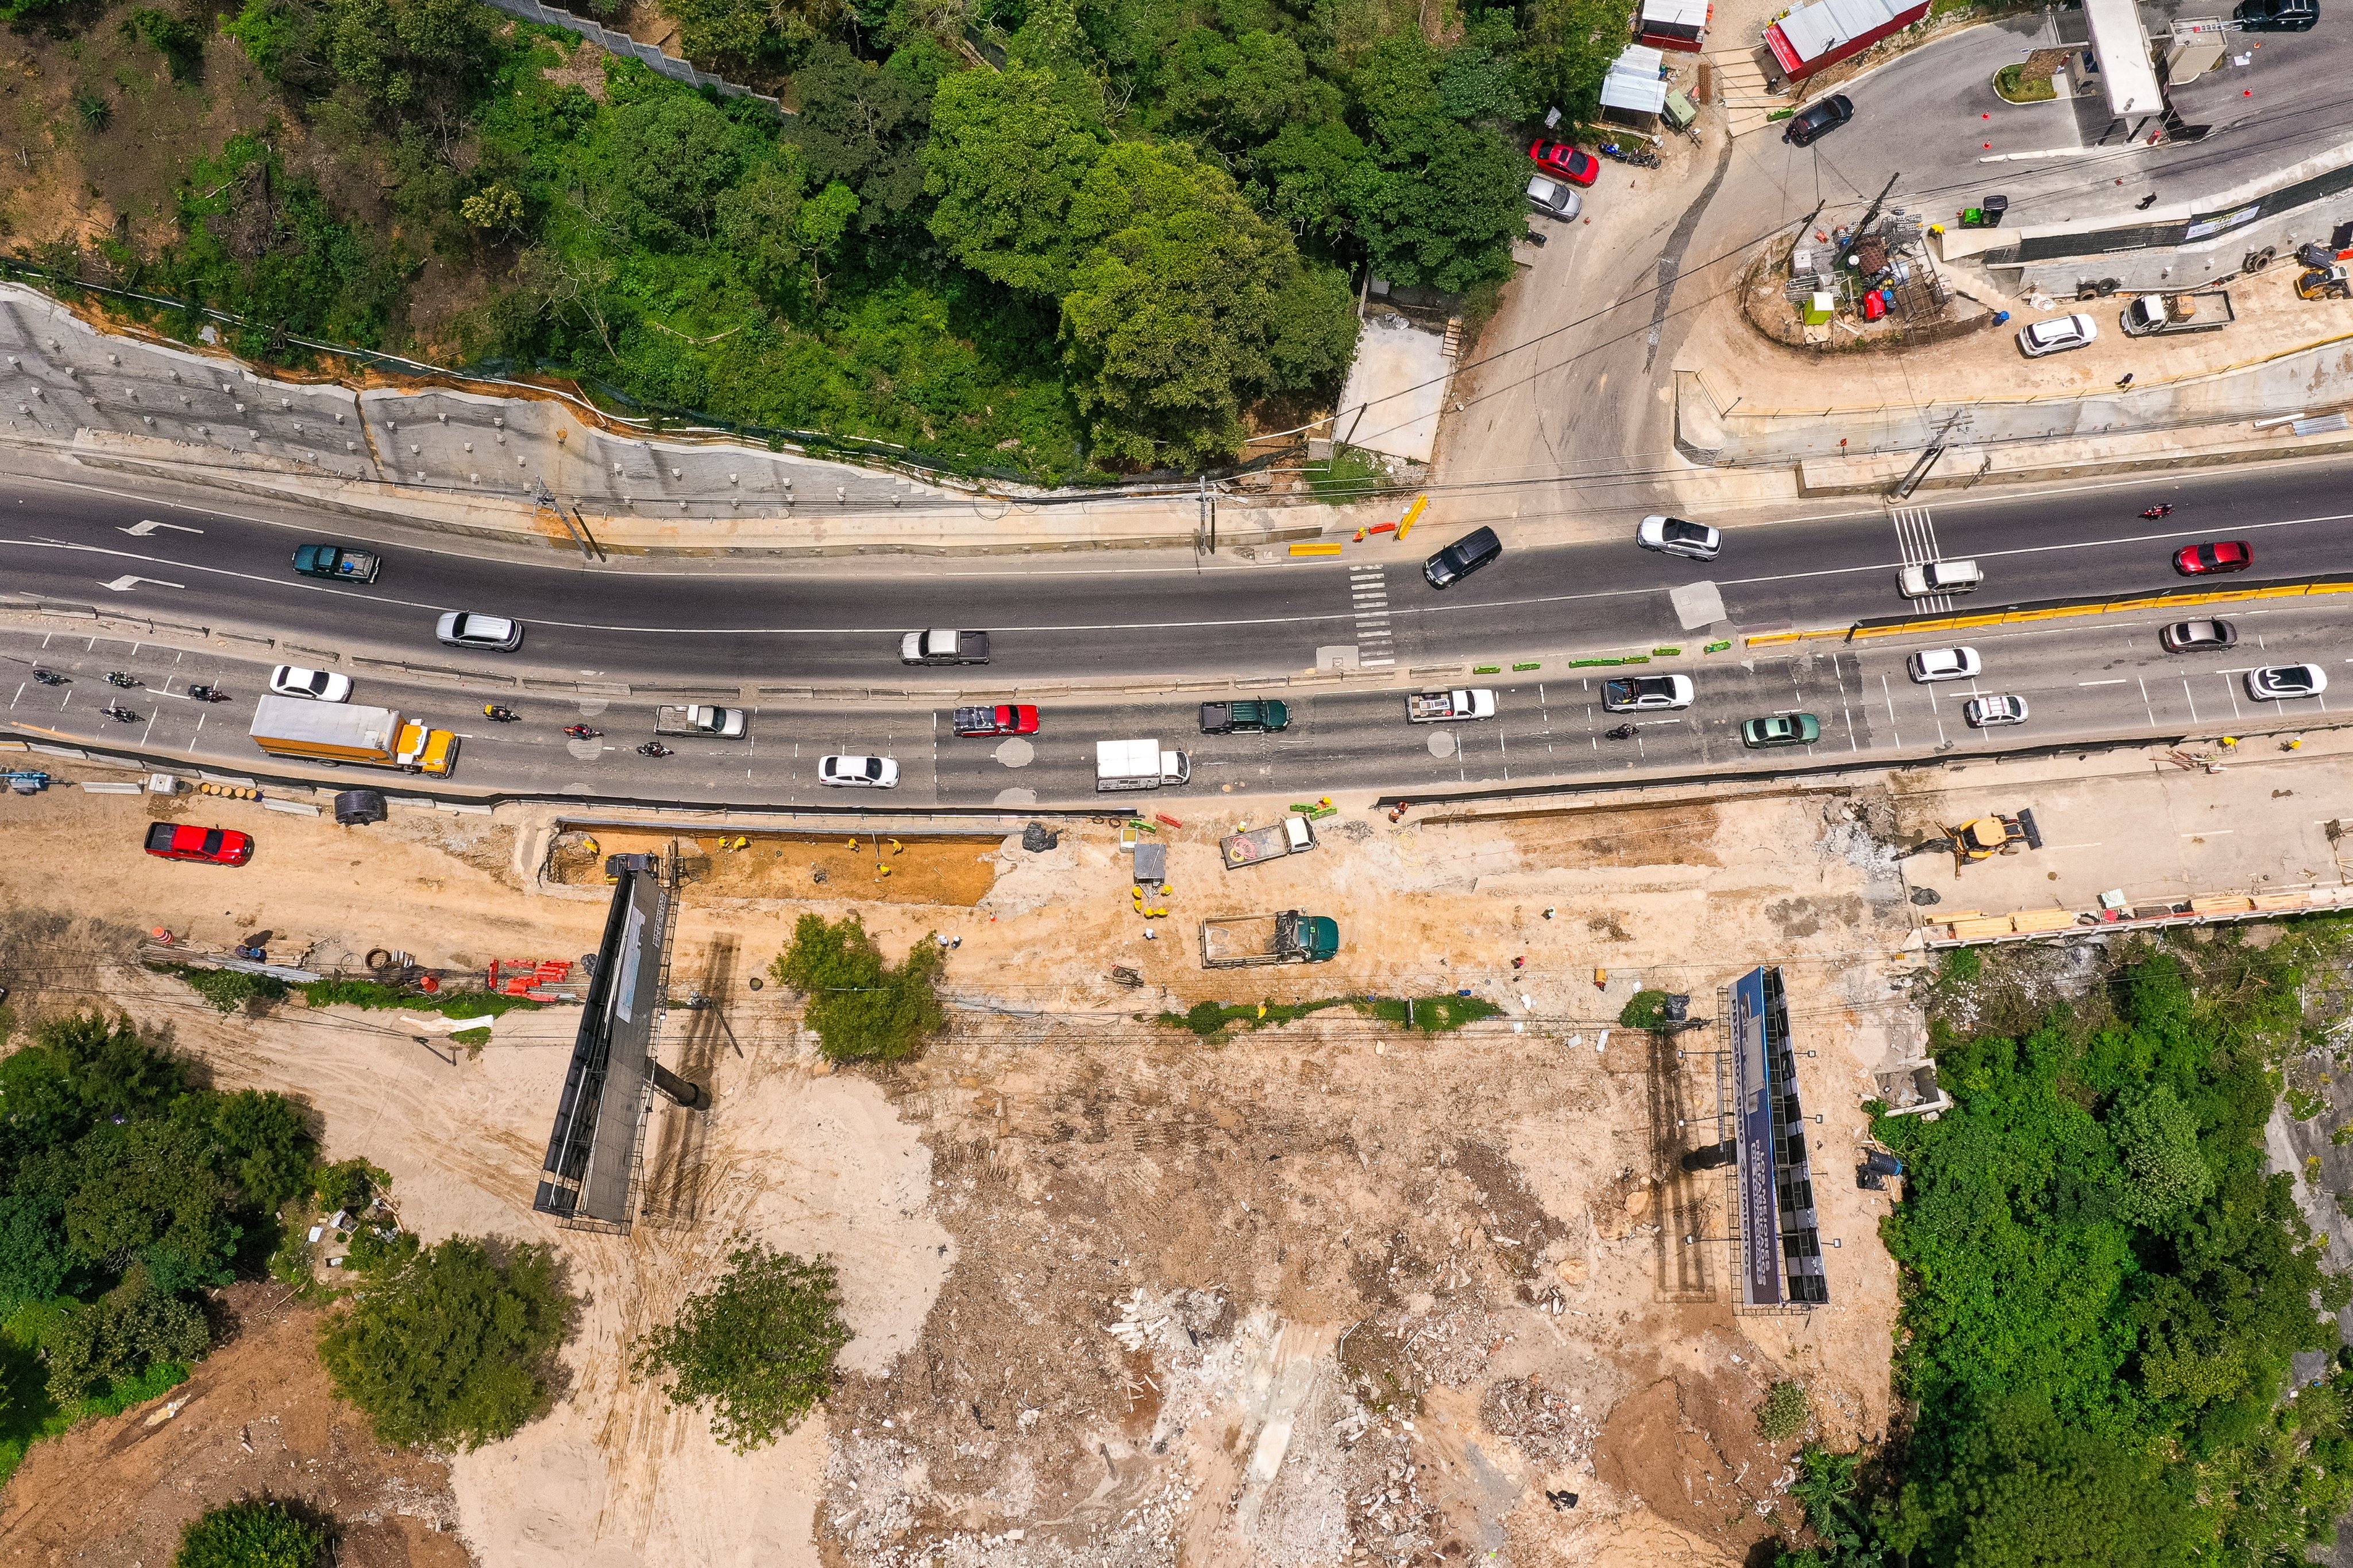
858, 772
2057, 335
1644, 693
463, 629
2278, 682
1946, 664
320, 684
1990, 712
1673, 536
1554, 198
1930, 577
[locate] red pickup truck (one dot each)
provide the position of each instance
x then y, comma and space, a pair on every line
214, 846
1004, 719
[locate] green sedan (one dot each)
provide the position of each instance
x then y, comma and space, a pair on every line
1782, 729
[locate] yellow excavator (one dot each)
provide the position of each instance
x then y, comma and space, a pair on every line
1992, 834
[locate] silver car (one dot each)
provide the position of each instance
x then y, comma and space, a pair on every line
1991, 713
1946, 664
1673, 536
1554, 198
858, 773
463, 629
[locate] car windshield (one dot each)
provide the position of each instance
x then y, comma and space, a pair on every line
213, 842
871, 768
2294, 675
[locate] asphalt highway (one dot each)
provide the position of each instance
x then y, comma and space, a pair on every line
837, 623
2091, 679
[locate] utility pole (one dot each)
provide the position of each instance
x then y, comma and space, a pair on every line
1208, 523
1872, 212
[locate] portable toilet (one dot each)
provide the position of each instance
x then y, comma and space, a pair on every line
1819, 311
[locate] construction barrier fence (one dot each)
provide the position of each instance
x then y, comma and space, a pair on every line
2057, 609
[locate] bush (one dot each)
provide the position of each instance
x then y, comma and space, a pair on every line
760, 1348
376, 995
1431, 1015
347, 1184
448, 1345
861, 1008
226, 989
1785, 1412
249, 1534
1644, 1010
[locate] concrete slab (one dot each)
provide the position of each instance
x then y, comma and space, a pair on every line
1395, 388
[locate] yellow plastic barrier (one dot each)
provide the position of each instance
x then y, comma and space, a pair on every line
1316, 549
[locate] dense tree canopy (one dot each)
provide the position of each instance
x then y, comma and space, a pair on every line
758, 1348
1057, 236
2103, 1290
861, 1007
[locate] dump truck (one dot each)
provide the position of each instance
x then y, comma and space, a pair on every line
346, 732
725, 724
1294, 835
1245, 718
1138, 764
1440, 707
1239, 941
2198, 311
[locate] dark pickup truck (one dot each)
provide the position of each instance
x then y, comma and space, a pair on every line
337, 562
1248, 718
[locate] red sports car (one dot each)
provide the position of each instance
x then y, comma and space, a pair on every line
1560, 158
1005, 719
214, 846
2223, 555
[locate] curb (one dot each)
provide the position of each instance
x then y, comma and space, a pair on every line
2053, 610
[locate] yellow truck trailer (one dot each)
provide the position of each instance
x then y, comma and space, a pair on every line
299, 727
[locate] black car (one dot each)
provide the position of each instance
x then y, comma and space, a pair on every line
2278, 16
1464, 556
1828, 115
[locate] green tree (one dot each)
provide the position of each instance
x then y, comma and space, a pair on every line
448, 1345
863, 125
1568, 47
34, 1256
2165, 1176
860, 1007
131, 1328
677, 156
150, 1190
250, 1533
1007, 153
179, 42
753, 32
759, 1349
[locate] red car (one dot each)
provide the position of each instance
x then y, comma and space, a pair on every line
2223, 555
1560, 158
1005, 719
214, 846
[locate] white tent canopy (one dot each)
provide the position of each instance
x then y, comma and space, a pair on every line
1634, 83
2121, 47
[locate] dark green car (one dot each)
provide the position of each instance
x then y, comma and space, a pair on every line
1782, 729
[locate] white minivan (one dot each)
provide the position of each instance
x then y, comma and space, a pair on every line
1931, 577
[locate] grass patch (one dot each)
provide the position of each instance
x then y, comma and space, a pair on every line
226, 990
471, 1038
1429, 1015
27, 1414
2304, 1106
1208, 1018
1353, 474
2015, 86
449, 1004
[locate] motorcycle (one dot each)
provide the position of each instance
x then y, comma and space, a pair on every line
49, 678
582, 731
117, 712
207, 694
503, 715
2153, 513
116, 677
1622, 733
1643, 158
653, 749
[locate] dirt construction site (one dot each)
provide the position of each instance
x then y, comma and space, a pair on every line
1331, 1291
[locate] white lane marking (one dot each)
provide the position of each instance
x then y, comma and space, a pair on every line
124, 584
146, 526
2119, 680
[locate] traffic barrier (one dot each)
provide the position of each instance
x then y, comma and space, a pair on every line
1316, 549
2057, 609
1528, 665
1404, 523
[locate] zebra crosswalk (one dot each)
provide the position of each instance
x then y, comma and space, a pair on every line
1915, 536
1368, 597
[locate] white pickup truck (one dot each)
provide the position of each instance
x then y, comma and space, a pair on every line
1444, 707
725, 724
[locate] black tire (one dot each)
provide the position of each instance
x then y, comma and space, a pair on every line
2105, 287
